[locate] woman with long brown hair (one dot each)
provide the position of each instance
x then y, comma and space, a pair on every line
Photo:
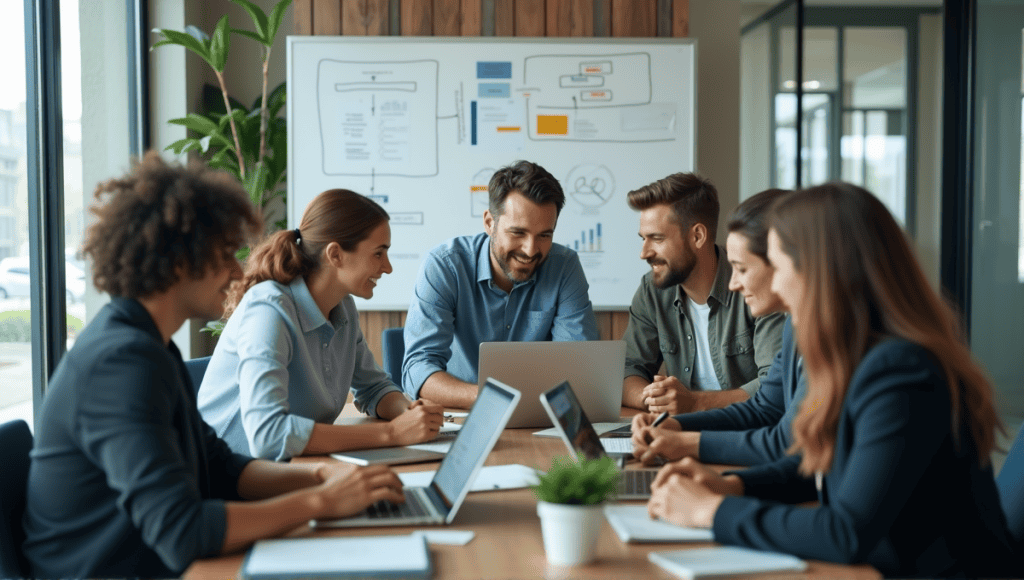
292, 348
896, 428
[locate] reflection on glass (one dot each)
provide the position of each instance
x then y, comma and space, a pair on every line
74, 213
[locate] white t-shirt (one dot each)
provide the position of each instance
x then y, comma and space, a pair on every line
704, 377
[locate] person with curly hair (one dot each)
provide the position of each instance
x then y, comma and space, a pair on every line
151, 486
292, 348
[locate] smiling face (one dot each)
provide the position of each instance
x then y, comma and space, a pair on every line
751, 276
520, 238
666, 247
787, 283
362, 268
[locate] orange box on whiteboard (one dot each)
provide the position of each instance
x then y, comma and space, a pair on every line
552, 125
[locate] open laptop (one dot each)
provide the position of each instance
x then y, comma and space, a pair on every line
579, 436
438, 503
594, 366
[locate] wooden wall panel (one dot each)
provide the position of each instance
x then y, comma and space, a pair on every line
471, 18
622, 18
417, 18
634, 18
446, 17
680, 17
530, 17
570, 18
504, 18
326, 17
302, 17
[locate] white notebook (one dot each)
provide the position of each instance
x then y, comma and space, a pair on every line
705, 562
404, 556
632, 524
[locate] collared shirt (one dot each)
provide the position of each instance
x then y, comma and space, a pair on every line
457, 305
280, 367
660, 330
126, 478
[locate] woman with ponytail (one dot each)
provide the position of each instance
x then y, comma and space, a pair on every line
292, 348
894, 434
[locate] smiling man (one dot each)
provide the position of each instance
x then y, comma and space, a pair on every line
714, 350
510, 283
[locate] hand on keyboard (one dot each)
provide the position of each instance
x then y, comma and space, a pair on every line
345, 494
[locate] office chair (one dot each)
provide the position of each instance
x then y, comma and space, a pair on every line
15, 444
392, 346
1011, 488
196, 369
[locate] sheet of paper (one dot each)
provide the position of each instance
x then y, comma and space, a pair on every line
446, 537
491, 477
600, 428
443, 442
633, 524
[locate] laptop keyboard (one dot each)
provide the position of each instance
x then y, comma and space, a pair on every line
637, 481
412, 508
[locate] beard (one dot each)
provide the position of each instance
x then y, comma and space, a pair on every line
673, 276
506, 264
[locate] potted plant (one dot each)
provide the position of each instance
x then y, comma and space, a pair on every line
570, 497
249, 142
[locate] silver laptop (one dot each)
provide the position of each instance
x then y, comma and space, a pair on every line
579, 436
438, 503
595, 367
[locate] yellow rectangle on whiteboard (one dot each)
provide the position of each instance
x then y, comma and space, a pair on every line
478, 188
509, 129
552, 125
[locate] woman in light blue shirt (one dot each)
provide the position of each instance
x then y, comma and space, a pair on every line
292, 348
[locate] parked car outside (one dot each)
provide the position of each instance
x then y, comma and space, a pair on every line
14, 279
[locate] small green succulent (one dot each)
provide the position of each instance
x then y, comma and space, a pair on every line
580, 482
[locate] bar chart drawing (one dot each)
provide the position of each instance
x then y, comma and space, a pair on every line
589, 241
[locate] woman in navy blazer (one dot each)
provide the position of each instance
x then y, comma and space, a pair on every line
894, 435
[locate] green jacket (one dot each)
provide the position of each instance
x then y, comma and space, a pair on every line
659, 330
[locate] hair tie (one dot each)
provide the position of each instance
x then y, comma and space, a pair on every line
298, 237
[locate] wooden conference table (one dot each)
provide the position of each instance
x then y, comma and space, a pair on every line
508, 541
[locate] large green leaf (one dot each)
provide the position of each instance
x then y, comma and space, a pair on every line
276, 15
183, 39
256, 183
183, 146
248, 34
219, 44
276, 100
259, 20
197, 123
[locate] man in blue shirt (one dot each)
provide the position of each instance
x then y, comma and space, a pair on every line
510, 283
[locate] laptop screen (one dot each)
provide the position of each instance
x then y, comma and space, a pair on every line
574, 422
473, 442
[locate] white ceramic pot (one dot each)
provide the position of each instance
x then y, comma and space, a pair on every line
570, 532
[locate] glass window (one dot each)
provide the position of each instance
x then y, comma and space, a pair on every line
15, 310
74, 196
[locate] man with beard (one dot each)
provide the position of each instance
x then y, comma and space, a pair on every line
683, 315
510, 283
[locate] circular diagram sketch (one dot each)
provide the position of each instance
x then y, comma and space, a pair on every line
591, 185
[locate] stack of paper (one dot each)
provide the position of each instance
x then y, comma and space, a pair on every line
632, 524
701, 562
358, 557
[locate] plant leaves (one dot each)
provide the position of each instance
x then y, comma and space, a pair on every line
182, 39
213, 101
256, 183
197, 123
219, 44
198, 34
580, 482
205, 143
248, 34
259, 20
276, 15
276, 100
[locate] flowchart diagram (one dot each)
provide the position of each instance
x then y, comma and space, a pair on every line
421, 125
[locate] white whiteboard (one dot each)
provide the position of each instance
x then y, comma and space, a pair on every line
421, 124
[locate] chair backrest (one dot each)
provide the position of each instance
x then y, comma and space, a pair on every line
1011, 488
392, 346
15, 444
196, 369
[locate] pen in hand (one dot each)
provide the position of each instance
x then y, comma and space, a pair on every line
658, 421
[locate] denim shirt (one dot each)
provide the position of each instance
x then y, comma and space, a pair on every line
660, 330
456, 305
280, 367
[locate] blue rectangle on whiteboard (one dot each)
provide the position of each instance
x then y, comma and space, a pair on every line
472, 122
493, 70
494, 90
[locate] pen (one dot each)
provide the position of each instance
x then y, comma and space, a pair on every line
661, 419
